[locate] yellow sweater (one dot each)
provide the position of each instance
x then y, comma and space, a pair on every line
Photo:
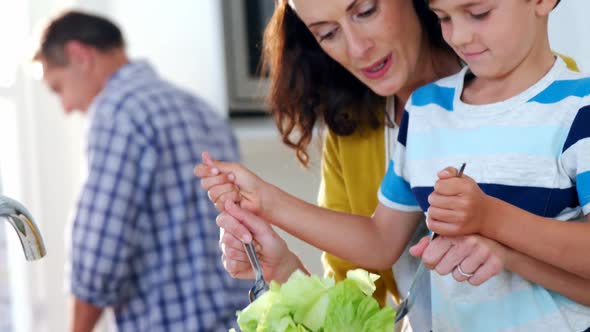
352, 170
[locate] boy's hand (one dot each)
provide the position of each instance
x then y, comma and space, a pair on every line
457, 205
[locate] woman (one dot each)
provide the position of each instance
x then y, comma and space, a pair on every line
395, 46
314, 80
334, 68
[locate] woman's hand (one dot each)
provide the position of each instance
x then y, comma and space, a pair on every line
230, 182
473, 258
457, 205
238, 226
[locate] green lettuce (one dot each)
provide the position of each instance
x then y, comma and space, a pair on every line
311, 303
351, 310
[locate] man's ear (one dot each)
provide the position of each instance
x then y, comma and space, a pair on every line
79, 54
544, 7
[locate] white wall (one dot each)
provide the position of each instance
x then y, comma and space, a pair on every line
569, 28
265, 154
50, 164
183, 39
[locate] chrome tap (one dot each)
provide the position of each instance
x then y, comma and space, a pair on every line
25, 227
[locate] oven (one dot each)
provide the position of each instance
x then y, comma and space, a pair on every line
244, 22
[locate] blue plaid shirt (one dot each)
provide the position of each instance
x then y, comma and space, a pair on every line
144, 238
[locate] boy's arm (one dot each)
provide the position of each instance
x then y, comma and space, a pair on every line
562, 244
549, 276
466, 209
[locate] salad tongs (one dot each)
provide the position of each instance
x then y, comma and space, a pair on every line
260, 286
404, 307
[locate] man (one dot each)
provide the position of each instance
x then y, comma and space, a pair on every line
144, 239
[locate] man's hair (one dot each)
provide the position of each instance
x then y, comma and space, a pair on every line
88, 29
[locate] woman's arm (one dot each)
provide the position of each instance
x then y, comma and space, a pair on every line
374, 243
485, 258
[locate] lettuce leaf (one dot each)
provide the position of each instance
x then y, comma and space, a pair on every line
307, 297
351, 310
314, 304
364, 280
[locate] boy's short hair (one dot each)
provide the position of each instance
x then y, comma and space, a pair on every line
92, 30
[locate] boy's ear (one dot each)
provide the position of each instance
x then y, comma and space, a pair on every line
544, 7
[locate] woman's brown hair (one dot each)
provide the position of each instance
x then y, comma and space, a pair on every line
307, 86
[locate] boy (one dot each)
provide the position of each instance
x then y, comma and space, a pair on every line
519, 119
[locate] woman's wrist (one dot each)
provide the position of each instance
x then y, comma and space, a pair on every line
270, 200
290, 264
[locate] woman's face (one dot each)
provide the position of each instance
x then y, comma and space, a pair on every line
378, 41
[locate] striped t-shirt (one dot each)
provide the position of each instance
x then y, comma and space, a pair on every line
532, 151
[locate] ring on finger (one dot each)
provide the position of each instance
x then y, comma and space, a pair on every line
463, 273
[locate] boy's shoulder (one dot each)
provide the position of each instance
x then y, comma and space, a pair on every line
568, 83
573, 74
440, 92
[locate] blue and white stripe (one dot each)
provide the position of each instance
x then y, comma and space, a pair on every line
532, 151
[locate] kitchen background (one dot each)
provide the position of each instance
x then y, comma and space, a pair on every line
41, 150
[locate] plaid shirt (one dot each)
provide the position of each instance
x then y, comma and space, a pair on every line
144, 239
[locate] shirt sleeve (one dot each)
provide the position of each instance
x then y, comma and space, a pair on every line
575, 156
395, 191
121, 163
332, 193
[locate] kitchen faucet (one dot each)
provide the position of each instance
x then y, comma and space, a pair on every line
25, 227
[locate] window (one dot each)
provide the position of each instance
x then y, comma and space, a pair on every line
14, 37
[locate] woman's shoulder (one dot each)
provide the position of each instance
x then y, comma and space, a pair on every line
366, 143
362, 135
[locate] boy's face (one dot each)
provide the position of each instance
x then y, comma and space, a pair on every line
493, 36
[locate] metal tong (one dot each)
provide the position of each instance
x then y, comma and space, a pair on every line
404, 307
260, 286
